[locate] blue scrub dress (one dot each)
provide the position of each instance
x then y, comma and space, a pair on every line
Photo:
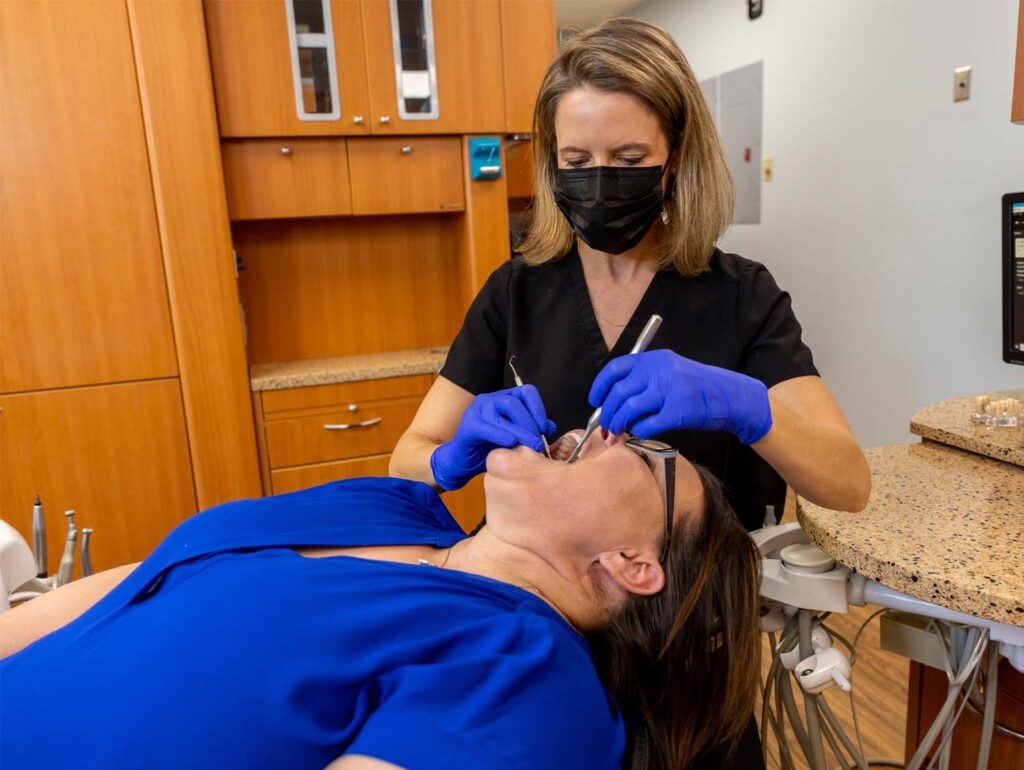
226, 648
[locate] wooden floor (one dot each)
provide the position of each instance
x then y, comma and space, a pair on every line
879, 685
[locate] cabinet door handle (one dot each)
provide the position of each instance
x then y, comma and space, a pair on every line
357, 119
286, 150
406, 149
385, 119
347, 425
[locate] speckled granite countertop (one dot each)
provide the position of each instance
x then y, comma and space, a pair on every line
949, 422
942, 525
328, 371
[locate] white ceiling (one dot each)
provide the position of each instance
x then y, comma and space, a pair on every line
585, 12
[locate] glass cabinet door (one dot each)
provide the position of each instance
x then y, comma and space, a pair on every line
289, 67
314, 68
412, 32
434, 66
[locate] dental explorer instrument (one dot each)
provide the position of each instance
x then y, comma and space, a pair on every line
519, 383
650, 329
39, 538
86, 559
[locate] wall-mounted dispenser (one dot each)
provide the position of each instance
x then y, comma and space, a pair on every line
485, 157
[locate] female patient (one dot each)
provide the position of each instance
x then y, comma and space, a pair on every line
355, 626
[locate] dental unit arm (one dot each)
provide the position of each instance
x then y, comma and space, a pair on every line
800, 586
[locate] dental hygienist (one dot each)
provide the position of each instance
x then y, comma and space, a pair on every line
632, 192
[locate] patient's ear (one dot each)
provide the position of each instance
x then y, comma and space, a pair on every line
635, 571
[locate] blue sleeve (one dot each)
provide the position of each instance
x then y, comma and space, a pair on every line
542, 709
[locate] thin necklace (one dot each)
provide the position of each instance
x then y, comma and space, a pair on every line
428, 563
610, 323
526, 587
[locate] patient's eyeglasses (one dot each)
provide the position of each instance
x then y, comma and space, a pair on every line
667, 454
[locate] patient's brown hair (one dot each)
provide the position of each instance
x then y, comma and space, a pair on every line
684, 664
637, 58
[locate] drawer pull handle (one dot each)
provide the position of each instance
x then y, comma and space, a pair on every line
385, 119
346, 425
358, 120
286, 151
406, 149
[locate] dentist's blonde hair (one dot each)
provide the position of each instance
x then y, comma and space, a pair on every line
637, 58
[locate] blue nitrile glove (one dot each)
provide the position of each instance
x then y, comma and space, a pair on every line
505, 418
650, 393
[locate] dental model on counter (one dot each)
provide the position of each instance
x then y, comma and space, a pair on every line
800, 586
1002, 413
23, 572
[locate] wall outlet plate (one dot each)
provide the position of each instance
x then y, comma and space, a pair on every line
961, 84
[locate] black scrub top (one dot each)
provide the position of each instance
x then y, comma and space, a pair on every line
733, 316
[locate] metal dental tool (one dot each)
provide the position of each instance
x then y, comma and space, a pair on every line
650, 329
86, 560
39, 538
67, 561
519, 383
71, 520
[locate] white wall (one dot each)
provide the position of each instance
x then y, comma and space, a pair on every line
883, 219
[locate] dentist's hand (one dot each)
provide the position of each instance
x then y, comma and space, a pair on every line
650, 393
505, 418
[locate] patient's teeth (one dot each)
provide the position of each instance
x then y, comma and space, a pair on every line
562, 448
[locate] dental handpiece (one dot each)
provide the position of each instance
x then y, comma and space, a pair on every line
67, 561
86, 559
519, 383
39, 538
649, 330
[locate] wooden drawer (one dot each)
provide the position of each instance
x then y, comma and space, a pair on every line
406, 175
344, 393
291, 479
276, 178
373, 429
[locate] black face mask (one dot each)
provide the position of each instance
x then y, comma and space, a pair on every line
610, 208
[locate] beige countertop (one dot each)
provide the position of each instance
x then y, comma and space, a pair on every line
942, 525
328, 371
949, 422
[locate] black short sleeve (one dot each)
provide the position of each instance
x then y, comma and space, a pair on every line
476, 359
774, 350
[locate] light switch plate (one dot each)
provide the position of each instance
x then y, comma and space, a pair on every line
961, 84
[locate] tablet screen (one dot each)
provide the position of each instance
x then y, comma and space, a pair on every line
1016, 280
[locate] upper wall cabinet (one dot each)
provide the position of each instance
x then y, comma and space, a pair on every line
434, 66
288, 67
354, 67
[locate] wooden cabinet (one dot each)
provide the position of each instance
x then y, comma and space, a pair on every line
299, 450
529, 37
83, 297
251, 58
116, 454
251, 55
292, 479
306, 431
121, 358
406, 176
470, 85
926, 692
274, 178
